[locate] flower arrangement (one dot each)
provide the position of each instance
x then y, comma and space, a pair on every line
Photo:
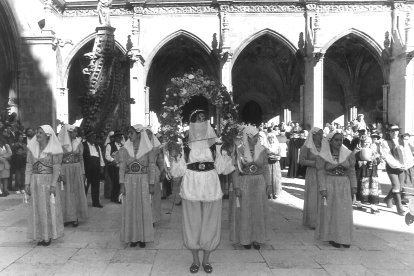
180, 92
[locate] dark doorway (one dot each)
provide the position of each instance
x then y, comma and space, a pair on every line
179, 56
252, 113
196, 102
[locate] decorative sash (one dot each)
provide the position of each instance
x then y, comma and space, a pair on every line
201, 166
251, 169
136, 168
337, 171
40, 168
71, 157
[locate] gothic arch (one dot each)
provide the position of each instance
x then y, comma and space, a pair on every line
270, 32
374, 48
169, 38
72, 54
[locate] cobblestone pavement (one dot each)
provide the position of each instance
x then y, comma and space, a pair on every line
383, 245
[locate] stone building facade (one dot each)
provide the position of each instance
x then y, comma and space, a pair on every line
306, 61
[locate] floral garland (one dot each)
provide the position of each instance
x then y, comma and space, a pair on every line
180, 92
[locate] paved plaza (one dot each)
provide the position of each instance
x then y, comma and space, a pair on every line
383, 245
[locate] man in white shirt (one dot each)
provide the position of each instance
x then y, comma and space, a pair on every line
111, 151
94, 164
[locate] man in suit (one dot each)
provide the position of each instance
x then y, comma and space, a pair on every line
94, 164
111, 151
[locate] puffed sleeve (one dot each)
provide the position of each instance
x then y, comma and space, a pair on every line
178, 167
123, 157
320, 172
223, 162
29, 167
303, 157
389, 158
351, 170
57, 165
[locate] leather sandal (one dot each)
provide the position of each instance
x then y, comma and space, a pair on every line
247, 246
256, 246
75, 223
47, 243
207, 268
194, 268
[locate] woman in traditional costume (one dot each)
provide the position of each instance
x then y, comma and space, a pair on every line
44, 159
252, 185
74, 203
337, 184
307, 157
200, 190
137, 179
159, 175
274, 164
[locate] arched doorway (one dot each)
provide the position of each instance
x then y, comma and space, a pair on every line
252, 113
180, 55
353, 80
268, 71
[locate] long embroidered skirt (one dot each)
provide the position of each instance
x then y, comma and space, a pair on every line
74, 203
45, 220
249, 223
137, 221
335, 221
311, 198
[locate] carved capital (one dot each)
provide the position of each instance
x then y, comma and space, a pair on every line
317, 56
135, 56
139, 10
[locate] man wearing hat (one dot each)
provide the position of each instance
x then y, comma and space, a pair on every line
111, 151
94, 164
398, 155
361, 122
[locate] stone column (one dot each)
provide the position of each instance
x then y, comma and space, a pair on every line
225, 51
287, 115
385, 91
137, 82
301, 110
62, 103
313, 107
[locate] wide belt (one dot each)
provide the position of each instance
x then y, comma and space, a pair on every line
251, 169
40, 168
201, 166
69, 158
338, 171
136, 168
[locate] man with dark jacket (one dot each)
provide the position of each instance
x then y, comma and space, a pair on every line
94, 164
111, 151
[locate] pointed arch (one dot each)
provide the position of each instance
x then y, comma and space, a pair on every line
263, 32
72, 54
169, 38
374, 48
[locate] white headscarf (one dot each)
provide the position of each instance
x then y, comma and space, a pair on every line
326, 154
155, 142
65, 140
309, 141
275, 146
201, 135
53, 146
145, 144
